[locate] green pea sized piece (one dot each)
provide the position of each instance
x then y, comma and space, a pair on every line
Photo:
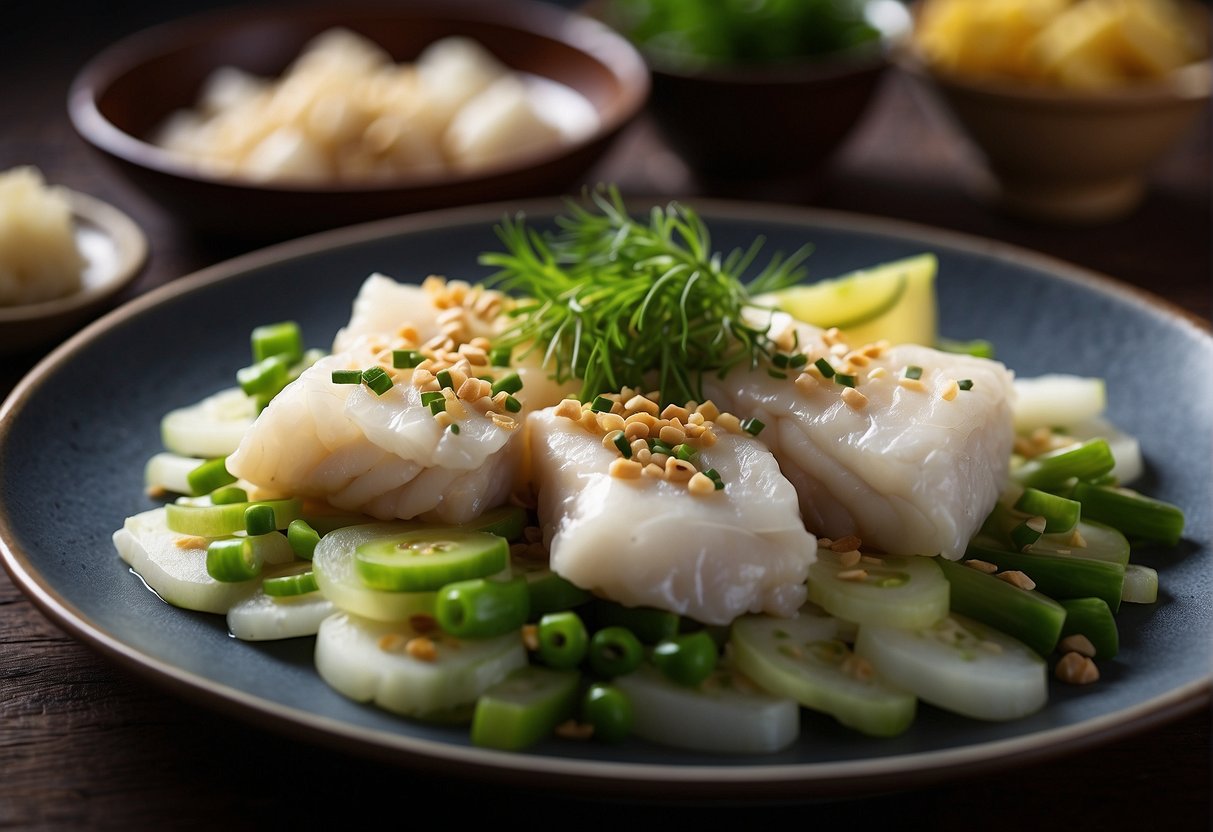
609, 711
686, 659
615, 651
482, 608
563, 640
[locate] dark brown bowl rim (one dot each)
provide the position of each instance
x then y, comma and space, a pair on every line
583, 34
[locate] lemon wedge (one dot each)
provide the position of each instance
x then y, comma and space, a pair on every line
894, 301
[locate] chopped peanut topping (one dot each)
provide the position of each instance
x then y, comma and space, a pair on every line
421, 648
628, 469
857, 575
1076, 669
1017, 579
842, 544
574, 730
530, 637
854, 399
423, 623
950, 391
981, 566
700, 483
914, 384
849, 559
1077, 643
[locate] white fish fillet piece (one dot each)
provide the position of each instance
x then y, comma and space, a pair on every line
649, 542
385, 456
909, 472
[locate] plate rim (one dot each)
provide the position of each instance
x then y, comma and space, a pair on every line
671, 781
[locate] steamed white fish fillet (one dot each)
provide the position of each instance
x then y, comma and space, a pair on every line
383, 305
910, 468
386, 456
650, 542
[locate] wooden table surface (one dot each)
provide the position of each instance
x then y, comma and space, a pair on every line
84, 744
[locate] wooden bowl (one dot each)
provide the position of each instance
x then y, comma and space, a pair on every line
122, 95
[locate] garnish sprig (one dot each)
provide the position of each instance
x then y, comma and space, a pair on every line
622, 302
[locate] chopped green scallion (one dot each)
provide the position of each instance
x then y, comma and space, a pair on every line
826, 368
845, 380
444, 379
752, 426
302, 537
228, 494
278, 339
799, 360
776, 374
431, 396
377, 379
965, 384
625, 447
511, 383
347, 376
602, 405
781, 360
285, 586
437, 406
500, 356
208, 476
685, 452
512, 404
913, 371
454, 428
259, 519
406, 358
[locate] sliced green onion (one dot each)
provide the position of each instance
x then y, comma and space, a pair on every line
965, 383
228, 494
826, 368
602, 404
406, 358
444, 379
1027, 533
913, 371
609, 711
285, 586
377, 379
777, 374
437, 405
277, 339
798, 360
208, 476
232, 559
1059, 513
563, 640
431, 396
781, 360
752, 426
685, 452
302, 537
347, 376
266, 377
511, 383
977, 347
1134, 514
512, 404
259, 519
659, 447
686, 659
482, 608
614, 651
222, 520
1055, 469
453, 428
499, 356
1091, 617
625, 447
845, 380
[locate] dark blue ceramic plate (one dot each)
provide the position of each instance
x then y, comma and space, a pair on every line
75, 434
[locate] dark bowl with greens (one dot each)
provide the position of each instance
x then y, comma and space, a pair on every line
746, 89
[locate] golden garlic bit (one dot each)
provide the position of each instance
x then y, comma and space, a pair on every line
1077, 44
651, 441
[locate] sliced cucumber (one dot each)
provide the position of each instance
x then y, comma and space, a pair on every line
801, 658
173, 565
726, 714
370, 661
524, 707
333, 563
897, 592
1141, 585
211, 428
1057, 400
424, 560
961, 666
263, 617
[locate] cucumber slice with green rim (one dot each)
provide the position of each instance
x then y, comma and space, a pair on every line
725, 714
1057, 400
370, 661
897, 591
212, 427
333, 563
524, 707
425, 560
801, 658
173, 565
960, 665
220, 521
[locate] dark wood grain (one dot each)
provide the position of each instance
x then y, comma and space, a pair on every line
83, 744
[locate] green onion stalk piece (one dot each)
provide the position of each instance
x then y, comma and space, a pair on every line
228, 494
226, 519
1058, 576
686, 659
282, 338
303, 538
1060, 514
1027, 533
510, 383
259, 519
266, 377
1091, 617
609, 711
377, 379
406, 358
1135, 515
977, 347
614, 651
563, 640
1055, 469
233, 559
482, 608
524, 708
289, 586
208, 476
1027, 615
347, 376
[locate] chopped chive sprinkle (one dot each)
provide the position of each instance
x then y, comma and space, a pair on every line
437, 406
259, 519
267, 376
781, 360
685, 452
499, 356
625, 447
776, 373
347, 376
845, 380
799, 360
659, 447
431, 396
913, 371
965, 384
511, 383
602, 405
826, 368
752, 426
712, 473
512, 404
406, 358
377, 379
444, 379
285, 586
454, 428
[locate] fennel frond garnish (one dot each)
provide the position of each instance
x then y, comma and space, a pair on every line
616, 301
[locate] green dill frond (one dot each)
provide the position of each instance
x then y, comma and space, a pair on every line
616, 301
